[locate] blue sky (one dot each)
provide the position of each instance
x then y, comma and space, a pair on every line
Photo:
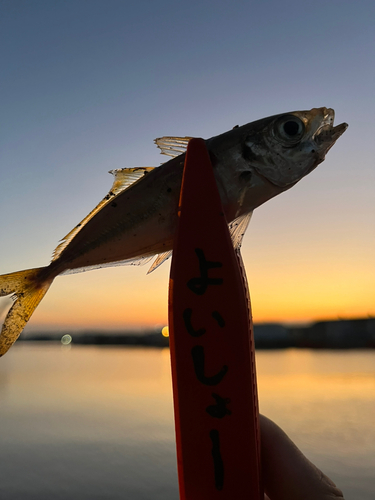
87, 85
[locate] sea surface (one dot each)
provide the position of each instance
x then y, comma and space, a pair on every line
96, 423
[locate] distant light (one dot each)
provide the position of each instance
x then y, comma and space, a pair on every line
66, 339
165, 332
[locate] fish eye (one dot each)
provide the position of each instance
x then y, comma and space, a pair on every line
289, 129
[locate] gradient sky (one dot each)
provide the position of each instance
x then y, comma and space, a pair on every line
87, 85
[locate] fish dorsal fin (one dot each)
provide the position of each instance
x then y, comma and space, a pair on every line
124, 177
162, 257
237, 229
172, 146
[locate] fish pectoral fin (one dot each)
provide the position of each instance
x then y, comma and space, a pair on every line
125, 177
172, 146
237, 229
162, 257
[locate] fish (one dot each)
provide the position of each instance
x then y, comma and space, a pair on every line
137, 219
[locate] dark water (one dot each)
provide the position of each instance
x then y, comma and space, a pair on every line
97, 423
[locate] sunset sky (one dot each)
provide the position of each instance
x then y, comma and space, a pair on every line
87, 85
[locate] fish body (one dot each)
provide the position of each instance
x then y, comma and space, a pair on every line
137, 220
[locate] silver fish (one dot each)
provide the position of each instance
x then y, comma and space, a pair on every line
138, 217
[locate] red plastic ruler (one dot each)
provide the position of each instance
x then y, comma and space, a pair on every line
212, 348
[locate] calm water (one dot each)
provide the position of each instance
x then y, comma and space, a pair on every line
97, 423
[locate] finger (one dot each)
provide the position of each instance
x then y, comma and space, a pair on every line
287, 473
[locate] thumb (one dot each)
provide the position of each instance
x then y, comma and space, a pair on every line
287, 473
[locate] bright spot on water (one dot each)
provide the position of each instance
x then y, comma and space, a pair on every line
165, 332
66, 339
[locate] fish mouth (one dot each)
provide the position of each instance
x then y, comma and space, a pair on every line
326, 134
337, 131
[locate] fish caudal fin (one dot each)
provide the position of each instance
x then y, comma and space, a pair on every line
27, 292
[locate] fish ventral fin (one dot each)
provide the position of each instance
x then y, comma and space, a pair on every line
172, 146
237, 229
124, 177
137, 261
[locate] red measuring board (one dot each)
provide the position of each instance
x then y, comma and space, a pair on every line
212, 348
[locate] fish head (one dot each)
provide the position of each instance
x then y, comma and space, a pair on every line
286, 147
259, 160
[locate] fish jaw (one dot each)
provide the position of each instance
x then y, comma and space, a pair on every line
326, 135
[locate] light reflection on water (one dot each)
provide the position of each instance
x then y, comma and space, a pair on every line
325, 401
97, 423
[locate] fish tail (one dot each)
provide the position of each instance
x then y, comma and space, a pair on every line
27, 289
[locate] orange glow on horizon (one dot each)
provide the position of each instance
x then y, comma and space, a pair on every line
286, 285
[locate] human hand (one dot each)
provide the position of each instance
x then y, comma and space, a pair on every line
287, 473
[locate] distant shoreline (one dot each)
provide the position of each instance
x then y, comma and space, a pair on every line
339, 334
